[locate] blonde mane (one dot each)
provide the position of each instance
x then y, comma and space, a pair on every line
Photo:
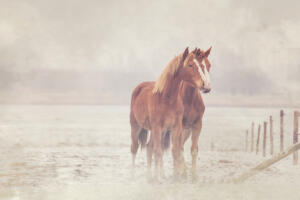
170, 69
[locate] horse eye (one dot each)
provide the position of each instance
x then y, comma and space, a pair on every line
190, 65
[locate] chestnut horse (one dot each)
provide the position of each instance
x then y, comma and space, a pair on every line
194, 108
159, 108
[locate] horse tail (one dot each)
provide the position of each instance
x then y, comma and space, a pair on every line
166, 141
143, 138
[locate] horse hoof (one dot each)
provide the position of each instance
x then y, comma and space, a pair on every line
194, 178
176, 178
163, 175
184, 176
155, 180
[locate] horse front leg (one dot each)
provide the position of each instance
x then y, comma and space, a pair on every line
194, 149
157, 137
161, 163
177, 151
185, 135
149, 155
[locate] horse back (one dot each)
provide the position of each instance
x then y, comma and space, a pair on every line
136, 92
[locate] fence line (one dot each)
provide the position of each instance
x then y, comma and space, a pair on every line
250, 146
265, 139
252, 137
257, 141
295, 138
281, 130
271, 136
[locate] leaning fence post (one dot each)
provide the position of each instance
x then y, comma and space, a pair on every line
295, 138
246, 141
271, 136
281, 130
257, 142
252, 137
267, 163
265, 139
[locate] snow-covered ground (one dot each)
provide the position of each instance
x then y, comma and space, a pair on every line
83, 152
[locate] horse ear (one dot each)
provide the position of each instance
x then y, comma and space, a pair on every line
195, 51
185, 54
198, 53
207, 52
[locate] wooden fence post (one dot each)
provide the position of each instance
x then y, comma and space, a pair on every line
257, 142
265, 139
271, 136
252, 137
295, 138
281, 130
246, 141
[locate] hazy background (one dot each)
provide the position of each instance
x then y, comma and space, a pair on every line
96, 52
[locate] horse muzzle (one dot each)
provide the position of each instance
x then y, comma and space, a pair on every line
203, 87
206, 90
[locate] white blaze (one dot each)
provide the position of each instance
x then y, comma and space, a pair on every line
204, 75
207, 76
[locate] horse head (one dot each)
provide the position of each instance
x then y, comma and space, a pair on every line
193, 71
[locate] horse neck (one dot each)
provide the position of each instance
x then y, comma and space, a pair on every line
171, 89
188, 92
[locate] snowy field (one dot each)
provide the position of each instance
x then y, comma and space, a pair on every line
83, 152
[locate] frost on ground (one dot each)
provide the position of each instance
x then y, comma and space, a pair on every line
82, 152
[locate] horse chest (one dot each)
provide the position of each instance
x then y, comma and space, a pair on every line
191, 116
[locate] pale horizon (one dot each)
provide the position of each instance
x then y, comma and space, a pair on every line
97, 52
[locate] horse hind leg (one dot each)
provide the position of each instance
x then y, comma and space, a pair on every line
135, 130
143, 135
166, 140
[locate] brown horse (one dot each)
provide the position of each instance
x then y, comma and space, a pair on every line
159, 108
194, 108
193, 111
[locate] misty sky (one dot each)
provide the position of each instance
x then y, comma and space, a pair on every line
63, 51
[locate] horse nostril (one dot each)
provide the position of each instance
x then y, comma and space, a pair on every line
206, 90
